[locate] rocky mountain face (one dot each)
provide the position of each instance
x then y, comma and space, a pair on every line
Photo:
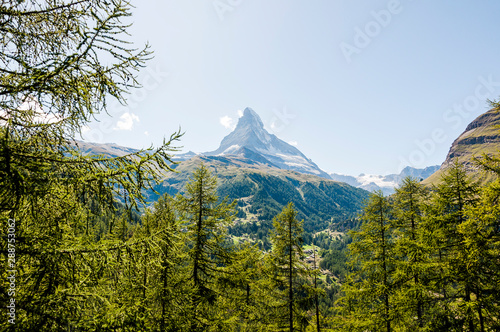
386, 183
250, 140
481, 136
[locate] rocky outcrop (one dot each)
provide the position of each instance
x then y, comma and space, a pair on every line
490, 117
482, 136
478, 140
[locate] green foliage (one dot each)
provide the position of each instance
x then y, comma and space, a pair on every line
413, 266
481, 249
449, 204
370, 287
166, 273
439, 269
288, 271
206, 243
84, 261
334, 258
72, 249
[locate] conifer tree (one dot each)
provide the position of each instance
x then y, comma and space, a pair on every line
368, 290
243, 291
412, 255
481, 237
452, 197
167, 288
288, 271
61, 64
481, 241
206, 221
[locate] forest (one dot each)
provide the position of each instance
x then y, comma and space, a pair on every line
426, 259
82, 250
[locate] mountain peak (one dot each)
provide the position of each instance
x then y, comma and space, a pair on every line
248, 111
251, 140
250, 119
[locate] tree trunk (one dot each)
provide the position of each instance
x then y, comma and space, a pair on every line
248, 294
164, 291
197, 297
479, 310
468, 299
384, 265
290, 278
316, 294
419, 294
419, 305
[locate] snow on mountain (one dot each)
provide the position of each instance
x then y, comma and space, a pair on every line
378, 180
386, 183
251, 140
184, 156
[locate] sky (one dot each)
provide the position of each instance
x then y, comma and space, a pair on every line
363, 86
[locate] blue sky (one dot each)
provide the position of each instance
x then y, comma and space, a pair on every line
359, 86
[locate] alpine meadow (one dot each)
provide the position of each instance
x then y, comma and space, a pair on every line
253, 235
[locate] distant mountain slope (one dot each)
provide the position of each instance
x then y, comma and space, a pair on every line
262, 191
251, 140
386, 183
261, 188
108, 149
481, 136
